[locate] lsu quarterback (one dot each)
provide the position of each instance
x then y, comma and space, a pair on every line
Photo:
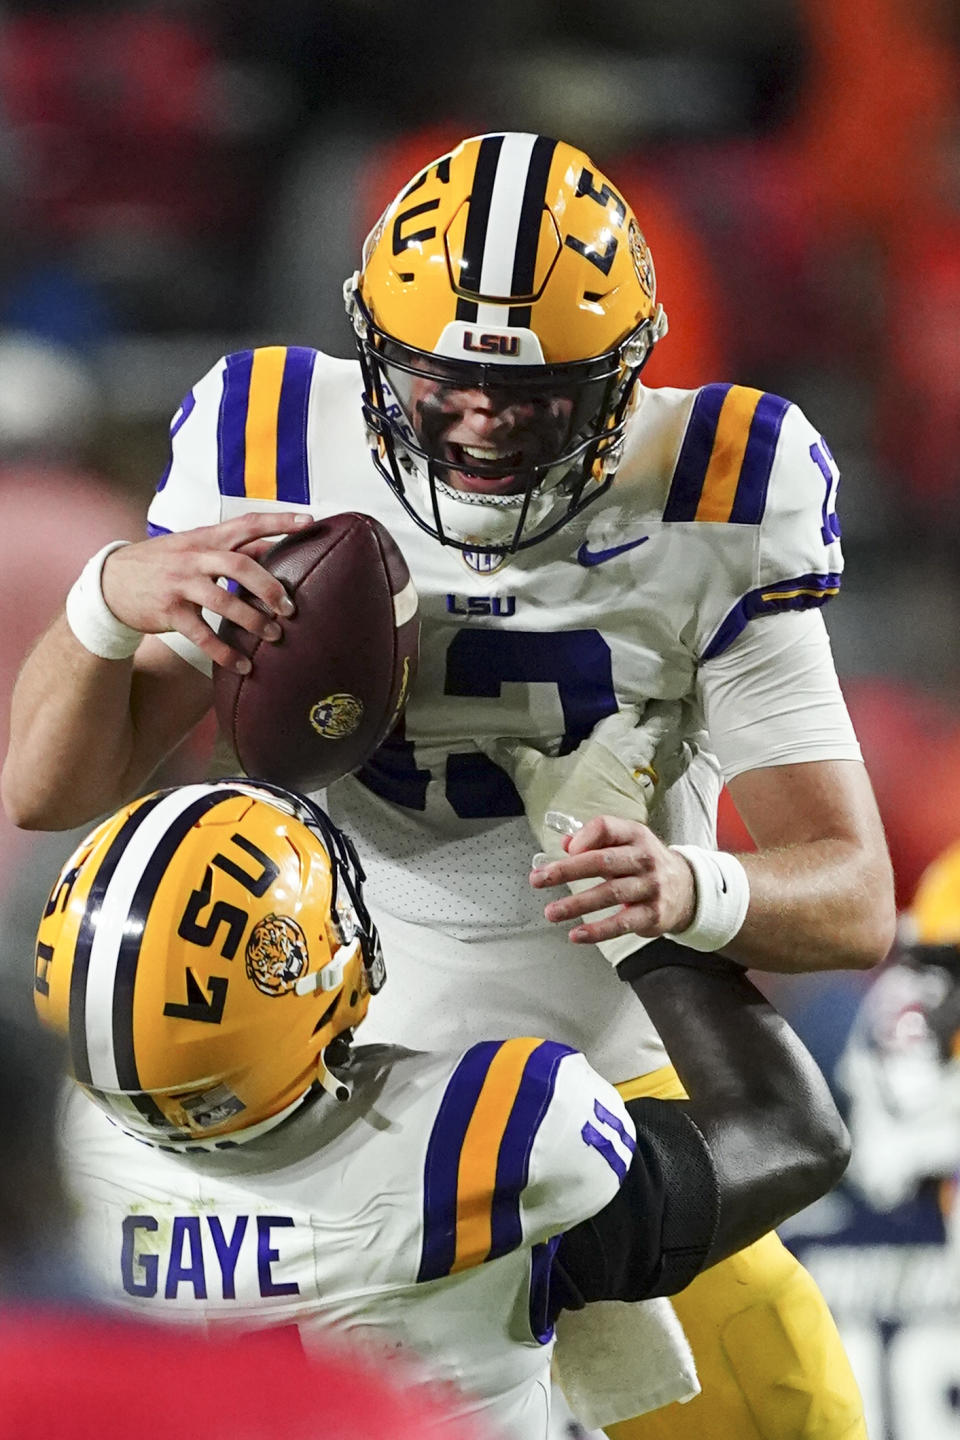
207, 956
581, 544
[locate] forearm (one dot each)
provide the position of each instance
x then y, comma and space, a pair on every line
821, 889
765, 1138
756, 1094
87, 734
821, 905
821, 883
71, 734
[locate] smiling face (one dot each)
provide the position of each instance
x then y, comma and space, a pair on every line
490, 438
503, 310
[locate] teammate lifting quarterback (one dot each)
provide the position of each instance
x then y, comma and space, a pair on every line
446, 1205
582, 545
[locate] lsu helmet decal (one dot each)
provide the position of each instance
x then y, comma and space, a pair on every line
508, 276
277, 954
199, 952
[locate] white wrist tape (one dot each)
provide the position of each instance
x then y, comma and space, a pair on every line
91, 619
723, 895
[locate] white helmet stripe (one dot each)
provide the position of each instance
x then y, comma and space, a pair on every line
503, 224
113, 927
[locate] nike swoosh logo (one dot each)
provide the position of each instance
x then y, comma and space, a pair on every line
587, 556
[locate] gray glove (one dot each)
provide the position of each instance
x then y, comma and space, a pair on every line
625, 765
622, 768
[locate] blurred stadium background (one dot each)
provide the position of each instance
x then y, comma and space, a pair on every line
182, 179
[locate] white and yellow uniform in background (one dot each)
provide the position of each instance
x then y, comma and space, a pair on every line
418, 1220
722, 516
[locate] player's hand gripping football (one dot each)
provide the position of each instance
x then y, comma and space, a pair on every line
589, 810
165, 583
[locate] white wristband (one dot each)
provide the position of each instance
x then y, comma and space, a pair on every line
723, 895
91, 619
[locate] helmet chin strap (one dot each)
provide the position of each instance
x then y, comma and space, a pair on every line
481, 519
339, 1089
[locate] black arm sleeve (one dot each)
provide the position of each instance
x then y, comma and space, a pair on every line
655, 1234
756, 1094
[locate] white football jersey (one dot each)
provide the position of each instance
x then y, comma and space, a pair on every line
418, 1219
722, 510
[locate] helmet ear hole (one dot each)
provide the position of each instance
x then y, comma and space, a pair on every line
337, 1052
328, 1014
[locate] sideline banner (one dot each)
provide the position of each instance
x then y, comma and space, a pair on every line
893, 1286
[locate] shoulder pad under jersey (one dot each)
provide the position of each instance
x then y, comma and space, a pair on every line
240, 435
527, 1141
752, 459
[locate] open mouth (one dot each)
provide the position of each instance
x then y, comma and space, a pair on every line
480, 468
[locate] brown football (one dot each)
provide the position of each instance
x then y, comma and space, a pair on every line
319, 701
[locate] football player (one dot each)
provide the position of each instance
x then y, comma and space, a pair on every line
900, 1065
70, 1367
580, 543
207, 955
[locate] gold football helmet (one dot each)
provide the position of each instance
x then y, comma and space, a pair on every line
200, 952
509, 283
933, 919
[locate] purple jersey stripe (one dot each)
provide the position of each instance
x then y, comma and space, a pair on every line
513, 1160
182, 415
154, 530
232, 423
443, 1160
541, 1264
293, 479
695, 452
751, 496
607, 1117
591, 1136
803, 593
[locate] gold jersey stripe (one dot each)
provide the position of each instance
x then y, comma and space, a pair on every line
726, 458
260, 435
768, 595
477, 1172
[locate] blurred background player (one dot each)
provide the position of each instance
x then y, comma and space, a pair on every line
579, 543
900, 1067
207, 956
